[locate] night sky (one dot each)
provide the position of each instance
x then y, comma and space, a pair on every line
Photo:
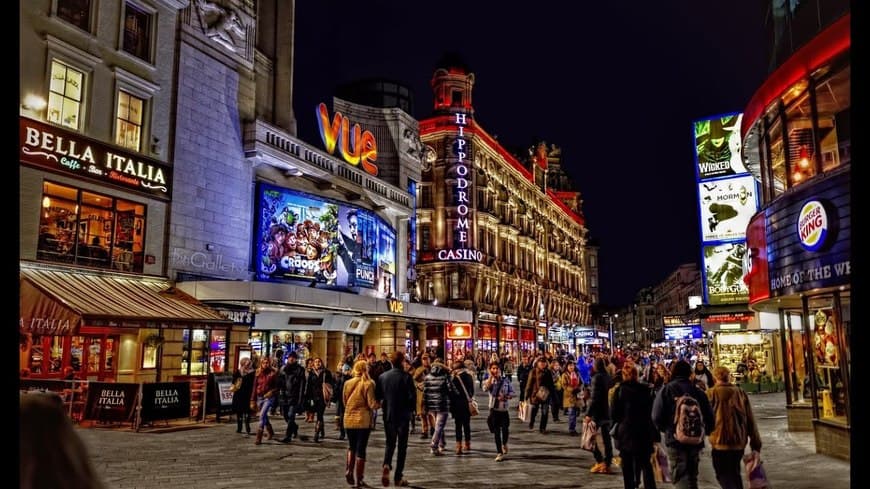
615, 84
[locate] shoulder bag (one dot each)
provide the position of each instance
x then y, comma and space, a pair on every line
473, 408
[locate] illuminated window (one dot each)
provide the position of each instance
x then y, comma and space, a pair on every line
76, 12
65, 95
90, 229
454, 285
425, 237
129, 121
137, 32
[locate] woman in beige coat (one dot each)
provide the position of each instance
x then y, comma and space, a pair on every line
359, 404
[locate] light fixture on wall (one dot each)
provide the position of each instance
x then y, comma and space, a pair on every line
33, 103
46, 202
804, 158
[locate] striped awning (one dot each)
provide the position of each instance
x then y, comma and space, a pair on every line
57, 300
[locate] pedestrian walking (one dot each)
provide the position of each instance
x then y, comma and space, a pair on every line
291, 383
571, 390
539, 392
500, 392
243, 383
263, 396
436, 396
635, 433
734, 425
396, 393
318, 392
460, 395
598, 410
360, 404
683, 413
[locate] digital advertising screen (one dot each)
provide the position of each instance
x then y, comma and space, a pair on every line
726, 206
717, 146
688, 332
723, 273
321, 242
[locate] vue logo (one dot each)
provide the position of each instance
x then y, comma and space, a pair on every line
356, 146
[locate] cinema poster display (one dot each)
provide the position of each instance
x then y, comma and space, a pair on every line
111, 401
723, 273
683, 333
322, 243
726, 207
717, 146
165, 400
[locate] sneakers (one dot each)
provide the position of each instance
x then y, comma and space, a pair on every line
499, 457
600, 468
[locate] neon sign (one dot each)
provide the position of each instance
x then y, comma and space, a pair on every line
462, 251
356, 146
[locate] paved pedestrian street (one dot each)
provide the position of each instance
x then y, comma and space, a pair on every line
215, 456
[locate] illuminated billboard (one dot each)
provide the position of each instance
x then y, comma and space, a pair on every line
723, 273
323, 243
727, 205
717, 146
690, 332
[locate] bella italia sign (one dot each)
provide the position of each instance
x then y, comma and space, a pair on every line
57, 150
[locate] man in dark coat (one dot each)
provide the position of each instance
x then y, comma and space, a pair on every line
599, 411
396, 392
540, 377
684, 458
291, 382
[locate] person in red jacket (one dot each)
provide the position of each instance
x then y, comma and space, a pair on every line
263, 396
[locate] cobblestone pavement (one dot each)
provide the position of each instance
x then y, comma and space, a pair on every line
215, 456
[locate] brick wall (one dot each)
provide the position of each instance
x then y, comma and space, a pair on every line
832, 440
800, 418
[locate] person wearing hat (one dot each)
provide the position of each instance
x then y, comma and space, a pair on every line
292, 389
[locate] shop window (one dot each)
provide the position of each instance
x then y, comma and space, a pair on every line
425, 237
137, 32
833, 102
90, 229
256, 343
128, 124
194, 353
801, 145
827, 347
776, 156
454, 285
77, 353
55, 364
65, 92
218, 351
76, 12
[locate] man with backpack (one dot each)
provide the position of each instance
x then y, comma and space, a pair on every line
683, 413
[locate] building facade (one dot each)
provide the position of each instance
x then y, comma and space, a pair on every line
491, 237
797, 143
97, 176
303, 244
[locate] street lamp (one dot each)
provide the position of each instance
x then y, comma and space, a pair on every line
634, 322
611, 329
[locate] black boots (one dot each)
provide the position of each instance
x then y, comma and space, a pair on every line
349, 467
318, 431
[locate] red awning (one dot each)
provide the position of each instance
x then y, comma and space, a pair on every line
57, 300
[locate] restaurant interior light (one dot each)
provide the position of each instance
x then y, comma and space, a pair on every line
46, 202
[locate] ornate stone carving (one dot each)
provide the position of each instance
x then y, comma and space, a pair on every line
222, 24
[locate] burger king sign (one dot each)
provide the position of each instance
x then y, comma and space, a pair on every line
813, 225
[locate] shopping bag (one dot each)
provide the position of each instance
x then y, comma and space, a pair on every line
661, 467
590, 434
755, 471
525, 413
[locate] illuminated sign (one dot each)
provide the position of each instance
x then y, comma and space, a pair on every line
727, 205
458, 331
812, 225
730, 326
65, 152
717, 146
723, 273
584, 333
396, 307
356, 146
462, 198
322, 243
729, 318
676, 333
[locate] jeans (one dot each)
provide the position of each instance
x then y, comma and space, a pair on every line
358, 441
727, 463
440, 423
545, 411
396, 432
556, 401
502, 422
572, 419
634, 463
265, 405
463, 425
684, 466
607, 456
289, 413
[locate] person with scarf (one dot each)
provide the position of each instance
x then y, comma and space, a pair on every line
263, 396
318, 393
359, 406
243, 377
571, 389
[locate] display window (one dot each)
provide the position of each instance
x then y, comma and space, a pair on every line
748, 355
457, 350
218, 351
195, 352
90, 229
283, 342
486, 346
353, 345
795, 358
827, 350
90, 357
257, 344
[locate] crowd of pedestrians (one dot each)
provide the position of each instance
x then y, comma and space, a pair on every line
640, 410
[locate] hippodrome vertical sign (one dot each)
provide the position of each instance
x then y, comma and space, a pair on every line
461, 249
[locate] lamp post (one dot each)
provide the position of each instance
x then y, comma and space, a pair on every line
634, 322
611, 328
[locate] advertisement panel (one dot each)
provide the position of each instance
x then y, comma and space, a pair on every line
723, 273
323, 243
755, 260
675, 333
727, 205
717, 146
111, 401
165, 400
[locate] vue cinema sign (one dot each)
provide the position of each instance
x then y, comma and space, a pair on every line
356, 146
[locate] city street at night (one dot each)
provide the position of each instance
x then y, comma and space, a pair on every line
216, 456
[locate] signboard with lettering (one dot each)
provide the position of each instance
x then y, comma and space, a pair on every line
166, 400
726, 205
717, 146
458, 331
357, 147
58, 150
110, 401
693, 332
395, 307
808, 236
